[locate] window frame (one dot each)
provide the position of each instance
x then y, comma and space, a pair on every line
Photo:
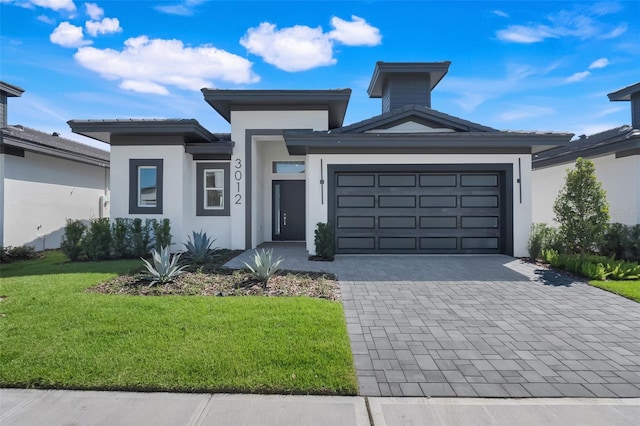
134, 185
206, 189
201, 168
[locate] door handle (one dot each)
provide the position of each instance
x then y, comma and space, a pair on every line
284, 219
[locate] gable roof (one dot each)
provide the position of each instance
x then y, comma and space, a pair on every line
25, 138
623, 140
418, 113
334, 101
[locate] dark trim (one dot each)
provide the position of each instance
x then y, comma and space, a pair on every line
383, 70
628, 153
103, 130
225, 101
505, 171
53, 152
11, 150
625, 93
200, 168
623, 145
248, 175
133, 185
10, 90
210, 151
138, 142
479, 150
197, 157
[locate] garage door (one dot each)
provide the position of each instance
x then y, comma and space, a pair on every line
422, 212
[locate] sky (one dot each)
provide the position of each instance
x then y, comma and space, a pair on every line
515, 65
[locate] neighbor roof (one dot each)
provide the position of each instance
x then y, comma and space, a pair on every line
102, 130
36, 141
11, 90
383, 70
334, 101
624, 94
620, 141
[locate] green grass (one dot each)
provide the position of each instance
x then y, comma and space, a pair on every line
56, 335
628, 289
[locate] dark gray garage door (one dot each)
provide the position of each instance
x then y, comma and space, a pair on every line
421, 212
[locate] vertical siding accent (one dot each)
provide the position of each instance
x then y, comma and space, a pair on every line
406, 89
635, 110
3, 110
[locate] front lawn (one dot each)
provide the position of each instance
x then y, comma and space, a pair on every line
628, 289
57, 335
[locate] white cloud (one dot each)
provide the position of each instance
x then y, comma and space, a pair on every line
599, 63
67, 5
94, 11
151, 65
106, 26
609, 111
301, 48
185, 8
525, 111
579, 23
46, 19
500, 13
297, 48
579, 76
68, 35
355, 33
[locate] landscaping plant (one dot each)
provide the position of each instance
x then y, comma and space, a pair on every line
120, 238
542, 237
140, 237
264, 267
165, 267
71, 244
13, 254
324, 241
96, 242
162, 233
199, 247
581, 208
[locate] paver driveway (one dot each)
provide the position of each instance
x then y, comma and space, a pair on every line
487, 326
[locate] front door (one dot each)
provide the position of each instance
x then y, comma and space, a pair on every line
288, 210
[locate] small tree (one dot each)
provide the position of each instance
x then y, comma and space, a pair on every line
581, 208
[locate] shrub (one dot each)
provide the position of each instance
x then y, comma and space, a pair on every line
13, 254
121, 238
71, 244
594, 271
199, 249
162, 233
581, 208
542, 237
264, 267
165, 267
97, 240
622, 242
324, 240
140, 237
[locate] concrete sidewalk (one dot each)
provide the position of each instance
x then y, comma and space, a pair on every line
24, 407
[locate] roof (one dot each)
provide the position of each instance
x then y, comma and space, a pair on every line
45, 143
304, 142
11, 90
624, 94
612, 141
102, 130
334, 101
383, 70
419, 112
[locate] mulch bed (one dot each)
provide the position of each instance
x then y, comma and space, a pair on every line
212, 279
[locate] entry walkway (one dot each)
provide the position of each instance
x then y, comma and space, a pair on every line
20, 407
481, 326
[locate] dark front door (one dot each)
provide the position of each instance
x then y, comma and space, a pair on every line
288, 210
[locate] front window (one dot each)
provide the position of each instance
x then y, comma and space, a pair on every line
147, 186
288, 167
214, 189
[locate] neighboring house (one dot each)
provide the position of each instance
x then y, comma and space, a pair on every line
616, 155
411, 180
45, 179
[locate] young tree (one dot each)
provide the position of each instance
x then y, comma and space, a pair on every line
581, 208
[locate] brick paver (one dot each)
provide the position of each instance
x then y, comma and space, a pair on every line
487, 326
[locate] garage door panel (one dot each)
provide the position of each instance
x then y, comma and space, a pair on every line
418, 212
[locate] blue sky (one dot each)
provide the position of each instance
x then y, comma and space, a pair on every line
539, 65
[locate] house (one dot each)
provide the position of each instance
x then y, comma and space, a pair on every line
616, 156
410, 180
45, 179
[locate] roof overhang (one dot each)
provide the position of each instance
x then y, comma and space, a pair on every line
11, 90
334, 101
624, 94
210, 151
383, 70
302, 143
103, 130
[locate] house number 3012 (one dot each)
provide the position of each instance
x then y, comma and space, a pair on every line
237, 175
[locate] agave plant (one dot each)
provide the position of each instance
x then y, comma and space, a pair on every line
165, 267
199, 248
264, 267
